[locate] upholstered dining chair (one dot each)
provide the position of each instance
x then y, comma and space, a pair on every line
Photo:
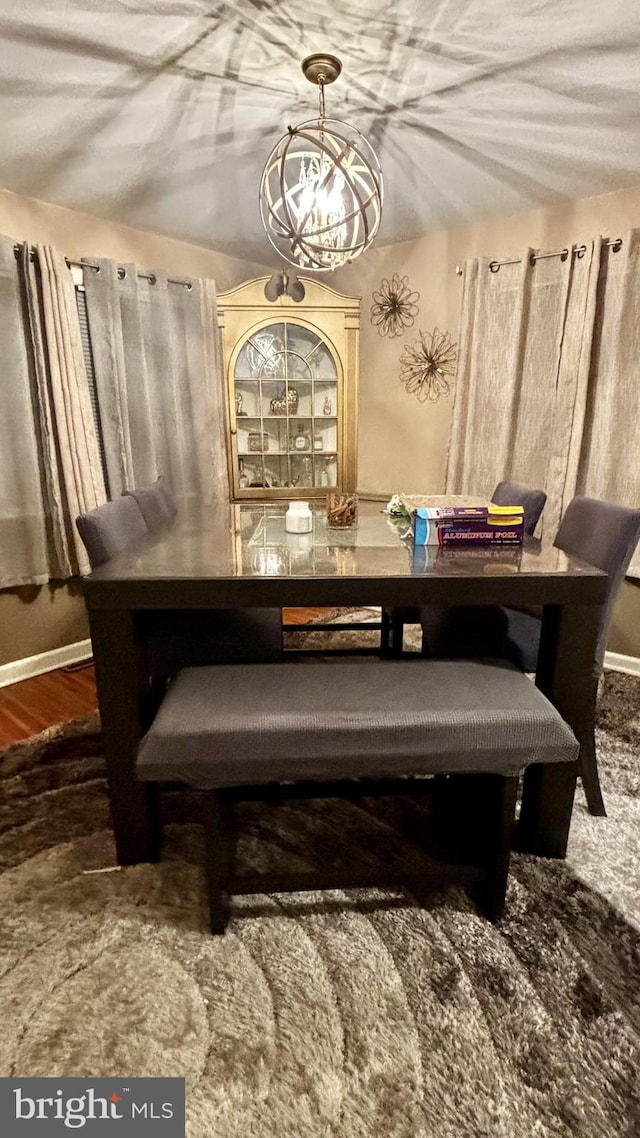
157, 504
505, 494
110, 529
599, 532
174, 638
211, 636
514, 494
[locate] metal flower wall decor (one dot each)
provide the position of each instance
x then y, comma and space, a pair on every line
394, 306
427, 364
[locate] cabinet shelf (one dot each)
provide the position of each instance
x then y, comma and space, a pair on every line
317, 454
328, 419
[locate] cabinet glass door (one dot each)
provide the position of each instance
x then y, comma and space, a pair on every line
285, 389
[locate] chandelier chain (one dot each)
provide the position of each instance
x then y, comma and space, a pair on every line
321, 95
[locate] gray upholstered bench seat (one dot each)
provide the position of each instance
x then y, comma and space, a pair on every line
242, 725
317, 729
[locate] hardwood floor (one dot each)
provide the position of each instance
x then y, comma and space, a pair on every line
55, 697
30, 706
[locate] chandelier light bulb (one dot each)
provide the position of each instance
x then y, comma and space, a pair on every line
321, 188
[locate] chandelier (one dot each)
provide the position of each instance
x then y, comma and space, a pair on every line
321, 188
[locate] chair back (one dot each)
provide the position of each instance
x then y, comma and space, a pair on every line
606, 536
513, 494
157, 504
110, 529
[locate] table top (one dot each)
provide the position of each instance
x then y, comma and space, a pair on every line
241, 554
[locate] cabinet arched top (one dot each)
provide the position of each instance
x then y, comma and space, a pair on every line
250, 294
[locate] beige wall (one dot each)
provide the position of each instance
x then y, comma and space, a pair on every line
36, 620
81, 235
402, 443
411, 436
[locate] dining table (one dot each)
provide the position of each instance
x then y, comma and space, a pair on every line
239, 556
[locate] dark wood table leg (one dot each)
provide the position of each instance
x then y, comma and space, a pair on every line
565, 674
122, 694
219, 828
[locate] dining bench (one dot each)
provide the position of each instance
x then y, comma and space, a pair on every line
318, 729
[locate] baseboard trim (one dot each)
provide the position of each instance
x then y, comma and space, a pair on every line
618, 662
44, 662
75, 653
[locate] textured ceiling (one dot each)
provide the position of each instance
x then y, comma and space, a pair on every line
161, 113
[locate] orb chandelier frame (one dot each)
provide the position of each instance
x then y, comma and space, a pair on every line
321, 188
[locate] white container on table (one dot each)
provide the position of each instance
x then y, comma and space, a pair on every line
298, 518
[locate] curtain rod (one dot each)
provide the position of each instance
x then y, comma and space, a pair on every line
122, 272
579, 251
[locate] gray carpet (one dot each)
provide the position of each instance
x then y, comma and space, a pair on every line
345, 1015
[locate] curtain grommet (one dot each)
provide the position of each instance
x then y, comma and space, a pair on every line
494, 266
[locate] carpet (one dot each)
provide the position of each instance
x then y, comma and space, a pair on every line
341, 1015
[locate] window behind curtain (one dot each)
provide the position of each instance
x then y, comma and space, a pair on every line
81, 302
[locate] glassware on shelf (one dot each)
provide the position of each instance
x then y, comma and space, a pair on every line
243, 477
301, 440
318, 441
258, 441
327, 406
286, 403
239, 411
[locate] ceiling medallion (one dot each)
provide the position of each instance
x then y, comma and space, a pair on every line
394, 306
427, 365
321, 188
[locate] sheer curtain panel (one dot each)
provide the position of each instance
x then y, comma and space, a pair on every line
159, 379
547, 388
609, 451
50, 460
73, 479
23, 547
525, 346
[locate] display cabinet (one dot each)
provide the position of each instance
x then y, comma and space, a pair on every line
292, 371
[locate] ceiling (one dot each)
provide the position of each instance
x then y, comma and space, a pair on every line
161, 113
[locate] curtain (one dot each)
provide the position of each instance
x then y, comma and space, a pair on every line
608, 464
51, 468
159, 378
524, 349
23, 548
73, 480
547, 391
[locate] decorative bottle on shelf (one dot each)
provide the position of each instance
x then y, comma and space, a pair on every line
323, 476
327, 406
301, 440
243, 477
307, 471
318, 442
